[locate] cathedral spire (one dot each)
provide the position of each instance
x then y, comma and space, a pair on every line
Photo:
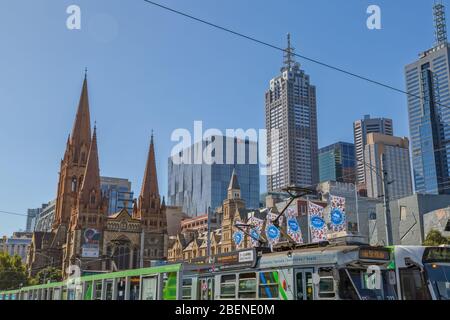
90, 189
81, 132
150, 182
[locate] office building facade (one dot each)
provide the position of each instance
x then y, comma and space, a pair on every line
337, 163
199, 187
428, 82
119, 194
361, 129
390, 154
291, 123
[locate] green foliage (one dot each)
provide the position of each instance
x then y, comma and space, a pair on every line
435, 238
51, 274
12, 272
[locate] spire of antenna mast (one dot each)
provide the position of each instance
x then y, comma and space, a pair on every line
289, 54
440, 24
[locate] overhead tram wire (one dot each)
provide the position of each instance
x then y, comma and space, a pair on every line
315, 61
14, 213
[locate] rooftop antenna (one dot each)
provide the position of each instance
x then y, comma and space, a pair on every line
440, 24
289, 54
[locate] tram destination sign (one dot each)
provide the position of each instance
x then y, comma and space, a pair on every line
374, 254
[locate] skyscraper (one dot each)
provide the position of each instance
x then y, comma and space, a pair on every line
361, 129
291, 109
337, 162
428, 85
119, 194
32, 216
199, 186
390, 154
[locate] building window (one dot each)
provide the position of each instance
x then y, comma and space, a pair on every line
403, 213
74, 184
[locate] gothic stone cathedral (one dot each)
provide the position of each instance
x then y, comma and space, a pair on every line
83, 234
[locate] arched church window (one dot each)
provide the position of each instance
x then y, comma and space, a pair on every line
83, 157
92, 198
74, 184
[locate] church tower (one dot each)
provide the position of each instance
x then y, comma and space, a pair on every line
149, 207
152, 212
73, 164
88, 217
232, 204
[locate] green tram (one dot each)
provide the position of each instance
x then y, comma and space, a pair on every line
312, 272
329, 272
155, 283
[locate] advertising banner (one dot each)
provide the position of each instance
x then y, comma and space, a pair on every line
90, 246
338, 220
317, 223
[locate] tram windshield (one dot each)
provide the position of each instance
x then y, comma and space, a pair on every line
439, 277
372, 285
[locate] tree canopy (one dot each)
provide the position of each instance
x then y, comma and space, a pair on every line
435, 238
12, 272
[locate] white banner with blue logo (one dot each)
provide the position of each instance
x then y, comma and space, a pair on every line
272, 232
338, 220
256, 226
317, 223
293, 228
238, 238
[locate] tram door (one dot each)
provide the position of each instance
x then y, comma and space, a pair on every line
206, 288
304, 287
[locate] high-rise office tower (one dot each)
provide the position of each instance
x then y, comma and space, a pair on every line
198, 186
428, 85
119, 194
361, 129
390, 154
337, 162
291, 111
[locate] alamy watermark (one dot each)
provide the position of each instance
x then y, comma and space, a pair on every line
235, 146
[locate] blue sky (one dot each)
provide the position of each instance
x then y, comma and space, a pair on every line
151, 69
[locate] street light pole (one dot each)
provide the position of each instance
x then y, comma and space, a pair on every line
387, 208
357, 208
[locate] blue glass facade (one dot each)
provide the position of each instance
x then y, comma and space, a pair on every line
197, 187
429, 120
337, 162
119, 194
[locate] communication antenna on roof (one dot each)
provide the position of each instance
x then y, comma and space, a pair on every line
289, 60
440, 24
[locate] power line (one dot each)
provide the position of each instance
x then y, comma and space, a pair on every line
323, 64
14, 213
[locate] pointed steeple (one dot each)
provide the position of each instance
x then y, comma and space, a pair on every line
81, 131
150, 182
234, 190
90, 189
234, 183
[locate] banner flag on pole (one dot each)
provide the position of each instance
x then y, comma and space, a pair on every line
293, 228
238, 238
272, 232
317, 223
337, 214
256, 226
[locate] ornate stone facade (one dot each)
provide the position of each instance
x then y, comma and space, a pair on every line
82, 232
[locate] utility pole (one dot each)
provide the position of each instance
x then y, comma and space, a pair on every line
141, 260
387, 208
208, 237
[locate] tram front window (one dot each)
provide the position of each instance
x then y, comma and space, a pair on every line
439, 276
372, 285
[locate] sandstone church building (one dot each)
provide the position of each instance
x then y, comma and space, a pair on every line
83, 234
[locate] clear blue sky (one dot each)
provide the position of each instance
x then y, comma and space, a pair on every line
150, 69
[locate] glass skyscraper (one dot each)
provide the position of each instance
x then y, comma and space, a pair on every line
337, 163
428, 85
119, 194
198, 186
